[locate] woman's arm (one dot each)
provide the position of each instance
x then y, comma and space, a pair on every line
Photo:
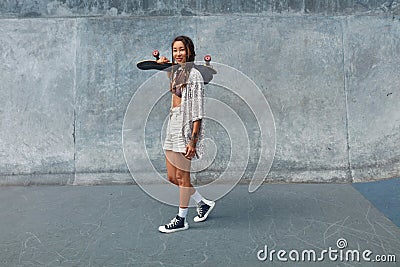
191, 147
163, 60
195, 133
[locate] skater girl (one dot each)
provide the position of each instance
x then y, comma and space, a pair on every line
184, 131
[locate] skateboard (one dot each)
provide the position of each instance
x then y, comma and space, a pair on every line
206, 70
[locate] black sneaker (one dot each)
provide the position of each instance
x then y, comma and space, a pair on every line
176, 224
203, 210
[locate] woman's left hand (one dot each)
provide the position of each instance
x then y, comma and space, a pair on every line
190, 151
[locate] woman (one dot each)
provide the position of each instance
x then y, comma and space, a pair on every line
185, 129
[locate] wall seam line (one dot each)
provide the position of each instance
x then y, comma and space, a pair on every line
344, 27
74, 95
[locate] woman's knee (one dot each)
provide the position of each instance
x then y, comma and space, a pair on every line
183, 178
178, 177
171, 178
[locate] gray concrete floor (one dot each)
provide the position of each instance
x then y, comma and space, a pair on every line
117, 226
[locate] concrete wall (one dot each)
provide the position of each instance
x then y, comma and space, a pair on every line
329, 70
79, 8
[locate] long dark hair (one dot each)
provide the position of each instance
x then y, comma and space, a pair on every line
189, 47
181, 78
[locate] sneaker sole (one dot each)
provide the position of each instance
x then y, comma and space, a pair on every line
162, 229
197, 219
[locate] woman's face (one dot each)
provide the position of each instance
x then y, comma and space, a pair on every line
179, 52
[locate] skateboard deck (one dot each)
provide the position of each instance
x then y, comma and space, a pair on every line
152, 65
206, 70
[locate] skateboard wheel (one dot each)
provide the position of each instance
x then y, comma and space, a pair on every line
207, 58
156, 54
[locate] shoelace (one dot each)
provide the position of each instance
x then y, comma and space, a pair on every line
200, 210
173, 222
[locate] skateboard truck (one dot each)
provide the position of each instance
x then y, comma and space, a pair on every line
156, 54
207, 59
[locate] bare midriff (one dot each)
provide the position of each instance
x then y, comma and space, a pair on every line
176, 100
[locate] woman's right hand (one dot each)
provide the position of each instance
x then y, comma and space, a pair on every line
163, 60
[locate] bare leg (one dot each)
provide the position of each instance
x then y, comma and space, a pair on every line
182, 174
171, 169
185, 188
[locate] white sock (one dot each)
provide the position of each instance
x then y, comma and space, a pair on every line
197, 197
182, 212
